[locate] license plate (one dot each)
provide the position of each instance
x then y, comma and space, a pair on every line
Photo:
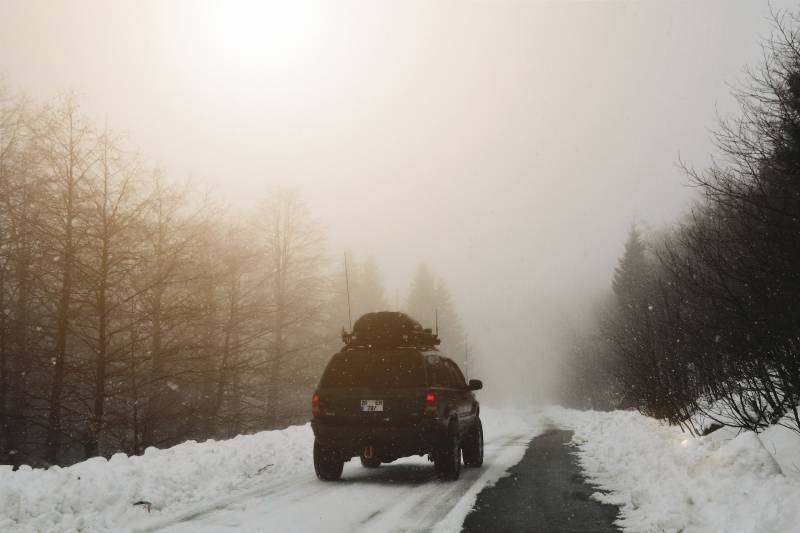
371, 406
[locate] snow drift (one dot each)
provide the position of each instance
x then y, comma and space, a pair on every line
99, 494
666, 480
193, 478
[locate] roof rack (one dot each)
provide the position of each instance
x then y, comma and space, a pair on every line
389, 329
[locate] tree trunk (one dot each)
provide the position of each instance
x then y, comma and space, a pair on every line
62, 328
59, 360
156, 370
19, 409
5, 379
91, 446
136, 445
273, 394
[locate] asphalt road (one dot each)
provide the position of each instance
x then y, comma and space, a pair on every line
545, 492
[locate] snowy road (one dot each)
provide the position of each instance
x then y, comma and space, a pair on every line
660, 478
402, 496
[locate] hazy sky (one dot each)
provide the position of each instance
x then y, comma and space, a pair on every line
509, 144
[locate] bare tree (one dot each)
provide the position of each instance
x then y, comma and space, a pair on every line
292, 248
132, 315
116, 205
13, 147
173, 229
67, 146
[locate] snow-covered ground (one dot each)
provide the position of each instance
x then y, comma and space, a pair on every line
666, 480
662, 479
262, 482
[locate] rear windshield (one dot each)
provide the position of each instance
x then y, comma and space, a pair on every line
391, 370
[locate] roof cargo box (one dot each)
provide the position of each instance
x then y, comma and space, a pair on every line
389, 328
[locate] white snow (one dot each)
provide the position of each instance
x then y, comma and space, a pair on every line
261, 482
784, 445
98, 494
666, 480
662, 478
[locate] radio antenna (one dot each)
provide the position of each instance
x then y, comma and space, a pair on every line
347, 283
436, 318
466, 354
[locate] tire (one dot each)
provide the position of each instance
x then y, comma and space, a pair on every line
328, 464
473, 447
447, 457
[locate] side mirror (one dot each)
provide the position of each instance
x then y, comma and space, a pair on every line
475, 384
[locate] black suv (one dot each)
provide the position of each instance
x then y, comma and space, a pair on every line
389, 393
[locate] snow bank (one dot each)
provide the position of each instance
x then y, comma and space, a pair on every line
191, 478
99, 494
784, 445
666, 480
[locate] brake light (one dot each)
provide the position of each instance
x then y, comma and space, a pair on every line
430, 404
315, 405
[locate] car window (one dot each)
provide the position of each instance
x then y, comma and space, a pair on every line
458, 377
438, 373
367, 369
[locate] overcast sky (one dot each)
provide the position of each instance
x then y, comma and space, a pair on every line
509, 144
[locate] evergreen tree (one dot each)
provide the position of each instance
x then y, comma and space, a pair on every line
369, 294
628, 325
630, 275
421, 303
430, 299
451, 331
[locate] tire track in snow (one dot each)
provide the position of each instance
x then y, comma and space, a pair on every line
422, 512
402, 496
197, 513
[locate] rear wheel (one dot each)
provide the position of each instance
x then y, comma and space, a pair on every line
328, 464
447, 456
473, 447
370, 463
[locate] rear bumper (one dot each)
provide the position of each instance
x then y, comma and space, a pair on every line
389, 442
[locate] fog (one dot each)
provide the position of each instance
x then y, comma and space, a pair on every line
507, 144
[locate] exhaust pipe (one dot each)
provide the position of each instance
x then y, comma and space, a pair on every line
369, 452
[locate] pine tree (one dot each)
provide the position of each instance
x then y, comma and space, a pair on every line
630, 275
421, 303
451, 330
430, 302
369, 294
628, 324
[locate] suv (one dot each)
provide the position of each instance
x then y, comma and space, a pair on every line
389, 394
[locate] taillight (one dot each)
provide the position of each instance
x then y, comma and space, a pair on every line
315, 405
430, 404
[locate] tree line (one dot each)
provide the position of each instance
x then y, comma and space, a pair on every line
136, 312
705, 317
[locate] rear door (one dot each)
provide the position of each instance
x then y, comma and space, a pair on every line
465, 397
441, 382
373, 388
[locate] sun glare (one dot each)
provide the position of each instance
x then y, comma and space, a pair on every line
248, 41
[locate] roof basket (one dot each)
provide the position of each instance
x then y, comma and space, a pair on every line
389, 329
